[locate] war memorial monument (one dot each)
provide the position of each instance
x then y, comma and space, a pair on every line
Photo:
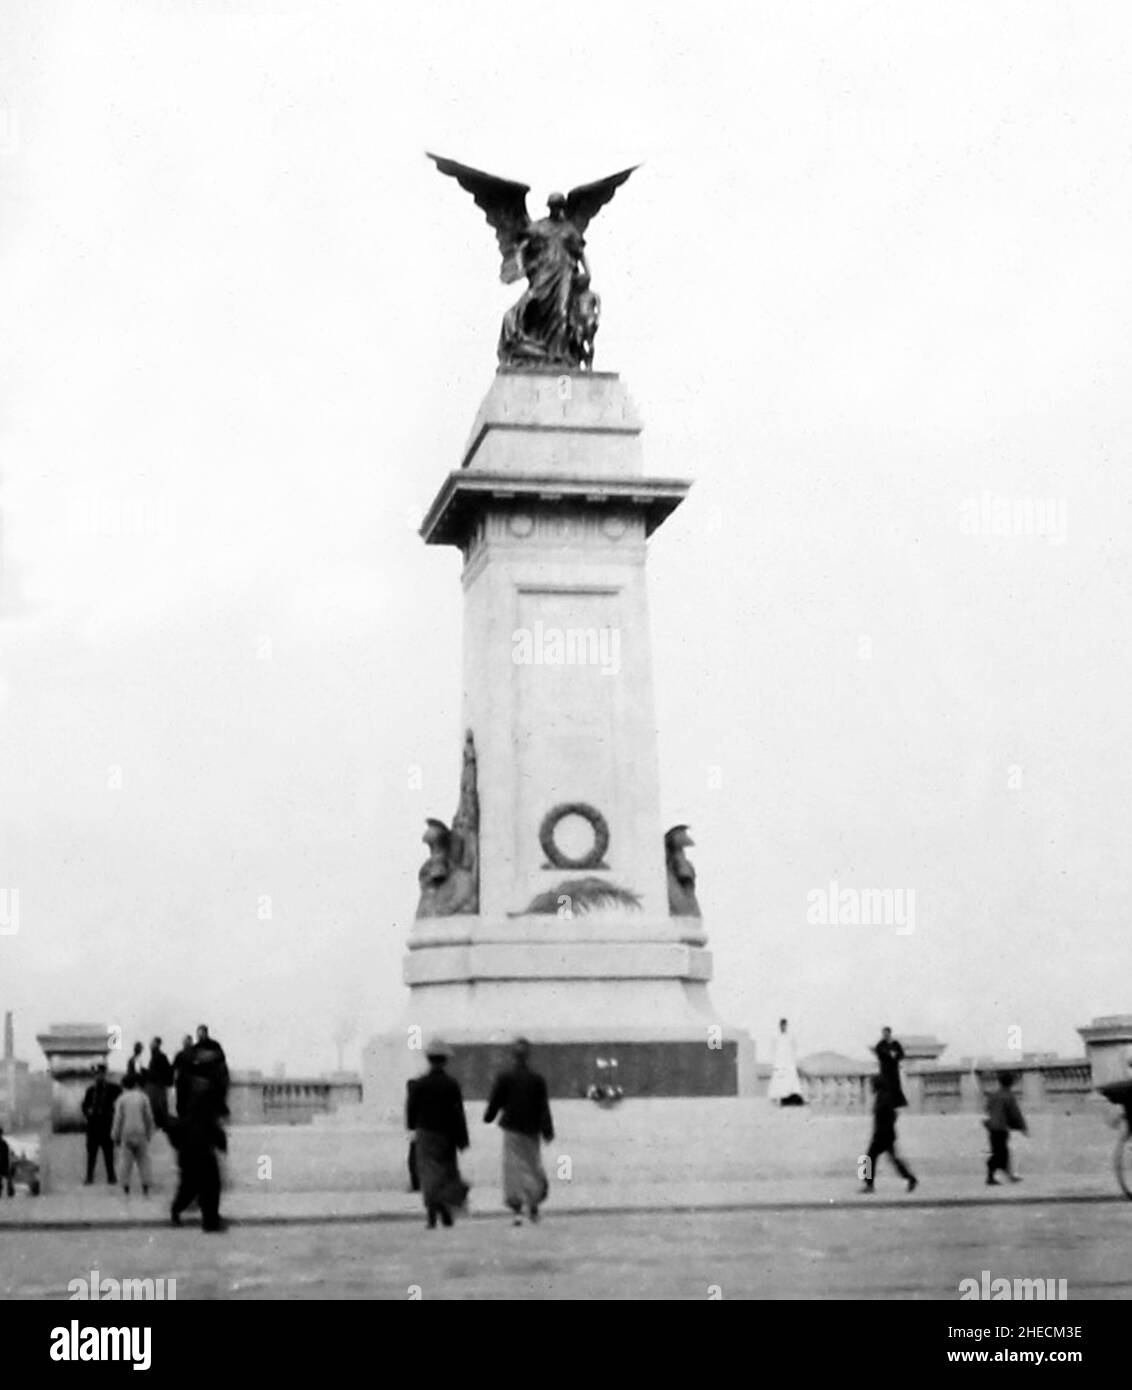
555, 904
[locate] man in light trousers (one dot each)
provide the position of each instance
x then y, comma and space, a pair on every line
132, 1129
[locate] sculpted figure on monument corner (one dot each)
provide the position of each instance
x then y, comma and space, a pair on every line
681, 874
554, 321
449, 877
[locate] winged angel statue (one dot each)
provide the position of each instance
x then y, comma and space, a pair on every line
554, 322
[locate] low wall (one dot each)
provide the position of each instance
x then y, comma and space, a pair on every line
257, 1100
933, 1088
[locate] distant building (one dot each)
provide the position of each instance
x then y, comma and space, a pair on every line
921, 1047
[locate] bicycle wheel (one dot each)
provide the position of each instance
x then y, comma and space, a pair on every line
1123, 1162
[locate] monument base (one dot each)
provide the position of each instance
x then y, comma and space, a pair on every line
650, 1063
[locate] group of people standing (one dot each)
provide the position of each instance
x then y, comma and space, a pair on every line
434, 1112
125, 1118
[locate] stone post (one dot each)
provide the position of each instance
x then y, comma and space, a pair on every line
1108, 1047
73, 1051
970, 1093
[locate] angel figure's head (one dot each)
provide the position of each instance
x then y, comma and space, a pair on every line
437, 836
556, 206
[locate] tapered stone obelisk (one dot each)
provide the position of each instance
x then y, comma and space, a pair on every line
570, 936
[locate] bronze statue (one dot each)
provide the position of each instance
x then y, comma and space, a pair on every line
449, 878
681, 874
554, 321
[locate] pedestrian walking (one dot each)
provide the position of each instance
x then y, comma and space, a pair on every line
199, 1139
884, 1137
131, 1130
889, 1055
1003, 1115
435, 1114
208, 1074
520, 1099
198, 1134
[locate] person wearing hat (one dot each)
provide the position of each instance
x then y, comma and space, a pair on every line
521, 1100
435, 1113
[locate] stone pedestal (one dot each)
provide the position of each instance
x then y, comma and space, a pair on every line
73, 1051
573, 943
1108, 1046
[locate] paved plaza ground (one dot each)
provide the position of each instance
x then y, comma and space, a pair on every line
882, 1253
657, 1199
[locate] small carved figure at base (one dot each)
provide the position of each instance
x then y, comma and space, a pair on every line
585, 316
449, 877
682, 900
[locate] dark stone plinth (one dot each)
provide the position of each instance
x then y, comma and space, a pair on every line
643, 1068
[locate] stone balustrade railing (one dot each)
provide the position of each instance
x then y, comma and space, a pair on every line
836, 1091
940, 1088
260, 1100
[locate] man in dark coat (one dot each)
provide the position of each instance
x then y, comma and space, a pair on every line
521, 1100
199, 1138
5, 1167
182, 1069
98, 1111
884, 1137
158, 1079
435, 1113
414, 1176
199, 1134
1003, 1115
134, 1068
208, 1070
890, 1054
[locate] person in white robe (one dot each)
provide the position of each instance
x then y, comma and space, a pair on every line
785, 1083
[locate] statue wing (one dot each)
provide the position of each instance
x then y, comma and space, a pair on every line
587, 200
504, 204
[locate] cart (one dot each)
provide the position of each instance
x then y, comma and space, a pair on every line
23, 1166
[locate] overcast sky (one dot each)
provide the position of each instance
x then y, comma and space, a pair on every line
875, 267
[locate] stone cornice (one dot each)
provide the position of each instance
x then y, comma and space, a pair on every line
464, 493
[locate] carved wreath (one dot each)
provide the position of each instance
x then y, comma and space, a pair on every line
595, 857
